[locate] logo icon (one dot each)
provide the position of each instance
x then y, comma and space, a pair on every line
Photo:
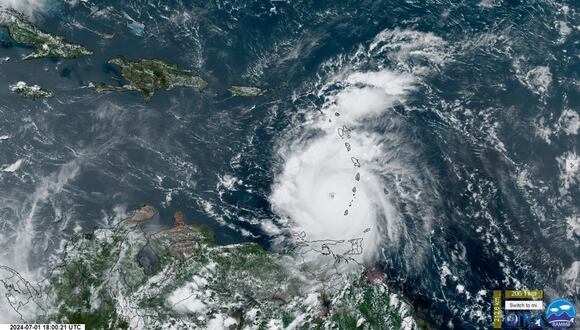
561, 314
512, 319
538, 322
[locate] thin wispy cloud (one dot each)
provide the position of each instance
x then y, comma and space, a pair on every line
30, 8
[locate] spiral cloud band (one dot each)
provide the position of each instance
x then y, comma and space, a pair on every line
330, 189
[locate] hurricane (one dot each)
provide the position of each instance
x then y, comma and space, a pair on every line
353, 163
284, 164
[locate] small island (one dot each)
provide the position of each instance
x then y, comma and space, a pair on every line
245, 91
141, 214
32, 92
44, 44
148, 76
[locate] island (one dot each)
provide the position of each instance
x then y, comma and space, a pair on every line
32, 92
245, 91
44, 44
150, 75
141, 214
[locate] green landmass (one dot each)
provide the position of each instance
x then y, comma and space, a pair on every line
150, 75
245, 91
123, 278
32, 92
44, 44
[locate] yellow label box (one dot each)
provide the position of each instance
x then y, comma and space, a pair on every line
497, 310
524, 294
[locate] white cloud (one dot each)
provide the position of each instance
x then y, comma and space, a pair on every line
565, 307
340, 185
29, 8
14, 167
184, 300
329, 187
569, 164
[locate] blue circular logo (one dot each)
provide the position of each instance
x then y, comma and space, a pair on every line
561, 314
512, 319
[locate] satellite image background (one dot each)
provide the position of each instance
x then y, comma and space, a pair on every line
394, 161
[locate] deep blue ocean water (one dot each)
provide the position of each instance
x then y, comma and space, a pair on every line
494, 138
